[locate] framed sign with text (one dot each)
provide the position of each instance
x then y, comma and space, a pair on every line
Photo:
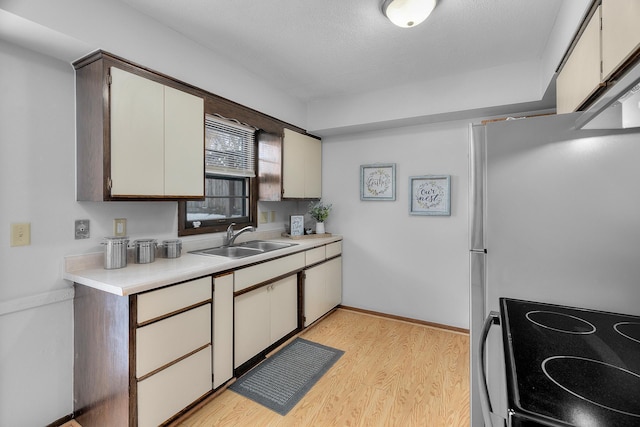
296, 224
378, 182
430, 195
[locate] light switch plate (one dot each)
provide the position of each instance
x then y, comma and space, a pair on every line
82, 229
21, 234
120, 227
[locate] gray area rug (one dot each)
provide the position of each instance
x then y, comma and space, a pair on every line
283, 379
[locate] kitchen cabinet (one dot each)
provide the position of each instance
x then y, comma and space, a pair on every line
263, 316
322, 282
265, 306
140, 135
605, 47
580, 76
269, 167
620, 33
142, 359
301, 166
222, 329
173, 354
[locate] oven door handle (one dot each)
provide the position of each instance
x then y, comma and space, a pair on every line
485, 400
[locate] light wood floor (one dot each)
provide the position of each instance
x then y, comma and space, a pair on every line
393, 373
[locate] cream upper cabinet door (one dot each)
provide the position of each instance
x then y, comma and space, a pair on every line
580, 77
301, 166
183, 144
313, 169
137, 135
620, 33
157, 139
293, 152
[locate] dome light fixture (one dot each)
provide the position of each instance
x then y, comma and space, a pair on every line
407, 13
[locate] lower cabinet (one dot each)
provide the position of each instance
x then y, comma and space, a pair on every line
167, 392
141, 359
263, 316
322, 289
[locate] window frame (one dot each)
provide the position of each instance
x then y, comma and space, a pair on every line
222, 224
216, 226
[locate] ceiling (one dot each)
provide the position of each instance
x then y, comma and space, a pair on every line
322, 49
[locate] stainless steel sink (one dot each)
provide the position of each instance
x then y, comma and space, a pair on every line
242, 250
264, 245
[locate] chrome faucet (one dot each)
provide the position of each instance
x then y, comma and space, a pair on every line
231, 237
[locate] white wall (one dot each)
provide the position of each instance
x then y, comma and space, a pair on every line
115, 27
37, 185
412, 266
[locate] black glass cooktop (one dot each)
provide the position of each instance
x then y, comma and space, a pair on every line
569, 366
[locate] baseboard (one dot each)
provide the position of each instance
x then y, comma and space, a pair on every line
406, 319
61, 421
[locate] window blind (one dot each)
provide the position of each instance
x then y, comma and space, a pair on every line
229, 147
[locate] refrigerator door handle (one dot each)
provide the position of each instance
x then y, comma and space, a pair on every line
485, 400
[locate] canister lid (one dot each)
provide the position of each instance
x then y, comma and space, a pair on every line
116, 240
172, 242
144, 241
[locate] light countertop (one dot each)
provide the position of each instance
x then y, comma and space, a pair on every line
134, 278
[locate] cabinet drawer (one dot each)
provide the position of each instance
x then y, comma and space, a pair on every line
256, 274
334, 249
166, 393
314, 255
164, 341
167, 300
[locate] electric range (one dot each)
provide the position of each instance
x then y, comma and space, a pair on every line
569, 366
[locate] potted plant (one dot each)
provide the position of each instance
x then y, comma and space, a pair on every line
320, 212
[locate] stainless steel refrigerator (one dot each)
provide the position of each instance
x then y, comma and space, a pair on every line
555, 218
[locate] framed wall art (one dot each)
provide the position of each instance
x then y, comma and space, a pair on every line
430, 195
378, 181
296, 225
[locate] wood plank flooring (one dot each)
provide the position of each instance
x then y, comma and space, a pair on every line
393, 373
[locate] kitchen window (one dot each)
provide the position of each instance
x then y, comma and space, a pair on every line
230, 180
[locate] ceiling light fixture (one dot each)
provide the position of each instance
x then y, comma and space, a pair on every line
407, 13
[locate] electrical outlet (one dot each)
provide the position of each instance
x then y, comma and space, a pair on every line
264, 217
273, 216
82, 229
120, 227
21, 234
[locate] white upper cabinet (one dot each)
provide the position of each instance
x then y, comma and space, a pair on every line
580, 77
157, 137
301, 166
620, 33
183, 143
606, 47
139, 134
